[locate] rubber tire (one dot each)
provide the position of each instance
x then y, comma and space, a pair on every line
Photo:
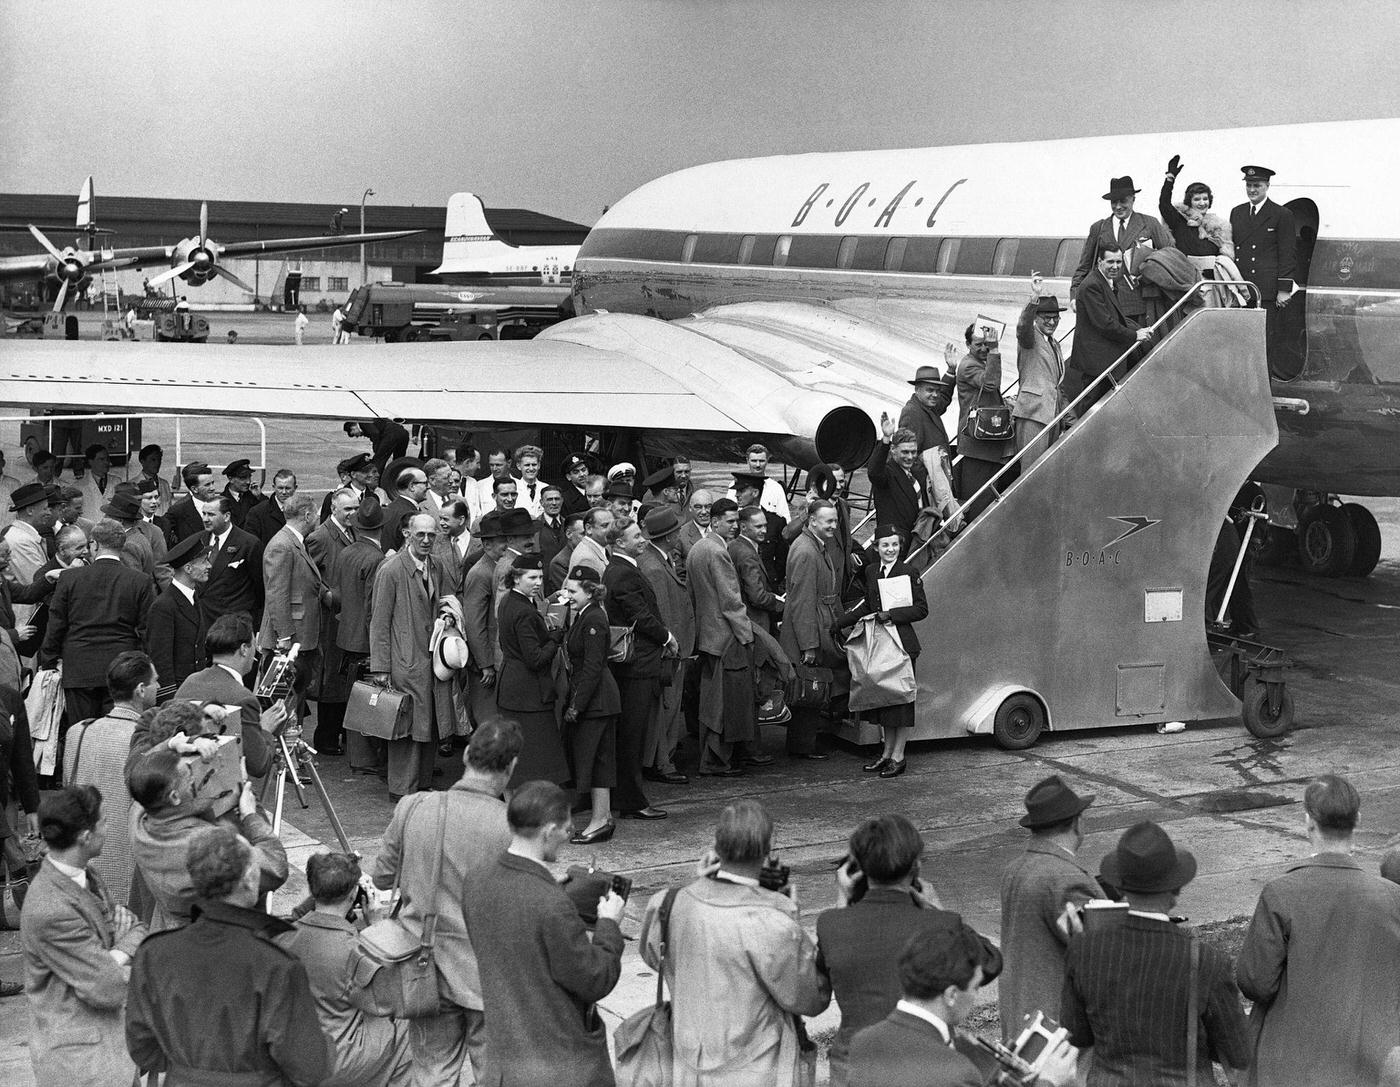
1368, 539
1326, 541
1255, 711
1019, 722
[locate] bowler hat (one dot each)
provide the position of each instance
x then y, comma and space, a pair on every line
820, 477
1120, 187
1145, 861
124, 507
187, 550
516, 522
662, 521
1051, 801
370, 515
1256, 173
927, 373
1048, 303
31, 494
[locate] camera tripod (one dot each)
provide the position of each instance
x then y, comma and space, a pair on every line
293, 755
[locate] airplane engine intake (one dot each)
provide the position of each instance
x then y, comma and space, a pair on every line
841, 435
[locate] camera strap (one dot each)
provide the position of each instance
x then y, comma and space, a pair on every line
1193, 1011
663, 918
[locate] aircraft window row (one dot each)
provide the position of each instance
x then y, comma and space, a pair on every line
947, 256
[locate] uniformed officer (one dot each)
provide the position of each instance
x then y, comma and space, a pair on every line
574, 472
1264, 251
240, 490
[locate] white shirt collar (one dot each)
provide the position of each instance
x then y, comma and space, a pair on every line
231, 672
730, 877
624, 558
910, 1008
77, 875
186, 590
218, 541
113, 558
298, 535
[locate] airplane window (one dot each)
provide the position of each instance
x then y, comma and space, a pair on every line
1068, 256
1004, 259
689, 250
894, 254
846, 254
780, 254
948, 254
746, 249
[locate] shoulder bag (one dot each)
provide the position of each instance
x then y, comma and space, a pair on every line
989, 421
622, 644
405, 985
644, 1041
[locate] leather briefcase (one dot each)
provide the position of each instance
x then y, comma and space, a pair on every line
375, 709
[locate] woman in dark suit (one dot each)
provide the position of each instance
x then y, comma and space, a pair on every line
894, 721
590, 719
525, 686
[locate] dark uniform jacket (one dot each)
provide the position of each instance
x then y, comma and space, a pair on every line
526, 680
242, 505
592, 689
575, 501
257, 1027
184, 520
904, 618
539, 967
265, 519
97, 612
1264, 247
632, 601
175, 629
1102, 332
235, 578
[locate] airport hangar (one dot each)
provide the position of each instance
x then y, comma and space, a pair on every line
326, 275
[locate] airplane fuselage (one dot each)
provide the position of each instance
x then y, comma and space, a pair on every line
925, 240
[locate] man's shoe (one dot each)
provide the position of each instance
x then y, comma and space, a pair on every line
445, 749
758, 760
727, 772
11, 988
593, 837
810, 756
674, 777
330, 750
648, 812
895, 768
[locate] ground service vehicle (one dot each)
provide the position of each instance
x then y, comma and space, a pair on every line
404, 312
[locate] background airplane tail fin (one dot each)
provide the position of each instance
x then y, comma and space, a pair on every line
468, 235
85, 210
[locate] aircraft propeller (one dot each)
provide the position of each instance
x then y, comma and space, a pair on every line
70, 267
197, 259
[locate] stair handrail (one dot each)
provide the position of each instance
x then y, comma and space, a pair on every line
1201, 287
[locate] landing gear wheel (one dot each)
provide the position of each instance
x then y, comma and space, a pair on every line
1326, 541
1019, 722
1368, 539
1259, 718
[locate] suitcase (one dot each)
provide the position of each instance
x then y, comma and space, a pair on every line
375, 709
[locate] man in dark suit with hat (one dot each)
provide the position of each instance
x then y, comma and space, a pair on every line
1265, 240
239, 489
1103, 332
478, 598
665, 489
175, 626
1040, 367
664, 568
1038, 890
1129, 230
574, 472
1128, 983
923, 412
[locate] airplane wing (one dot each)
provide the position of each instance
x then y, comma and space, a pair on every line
808, 379
142, 255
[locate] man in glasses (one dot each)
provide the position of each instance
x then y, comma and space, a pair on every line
698, 510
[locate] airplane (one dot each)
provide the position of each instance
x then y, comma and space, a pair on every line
472, 251
194, 260
796, 294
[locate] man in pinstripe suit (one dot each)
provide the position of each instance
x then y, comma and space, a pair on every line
1127, 984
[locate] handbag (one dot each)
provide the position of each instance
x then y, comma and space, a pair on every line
376, 709
622, 644
405, 985
810, 687
989, 422
644, 1041
882, 673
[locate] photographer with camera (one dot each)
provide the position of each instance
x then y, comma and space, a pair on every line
367, 1048
918, 1044
740, 968
880, 901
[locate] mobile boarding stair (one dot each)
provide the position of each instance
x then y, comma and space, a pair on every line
1077, 598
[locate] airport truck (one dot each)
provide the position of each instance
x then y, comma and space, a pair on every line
403, 312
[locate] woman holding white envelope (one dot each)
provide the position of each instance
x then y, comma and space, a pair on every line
894, 594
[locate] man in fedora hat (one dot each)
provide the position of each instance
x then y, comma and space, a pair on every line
1127, 985
175, 625
1041, 368
1040, 887
479, 617
1127, 229
145, 548
351, 579
33, 520
923, 412
664, 569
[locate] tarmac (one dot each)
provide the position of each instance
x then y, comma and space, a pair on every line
1232, 799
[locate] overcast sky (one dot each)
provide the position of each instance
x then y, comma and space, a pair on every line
566, 106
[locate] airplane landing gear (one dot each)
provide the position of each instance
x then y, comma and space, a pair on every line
1336, 538
1368, 539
